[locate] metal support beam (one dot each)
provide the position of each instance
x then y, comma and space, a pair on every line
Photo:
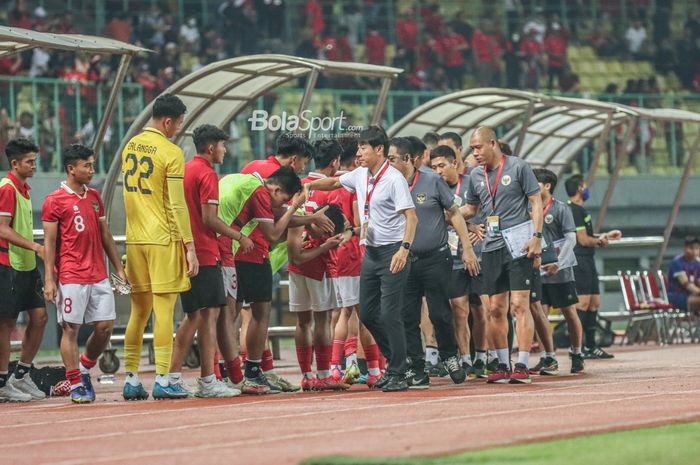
308, 90
600, 148
616, 174
381, 101
111, 104
524, 128
677, 202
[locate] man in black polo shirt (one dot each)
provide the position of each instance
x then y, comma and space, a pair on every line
586, 275
431, 264
502, 186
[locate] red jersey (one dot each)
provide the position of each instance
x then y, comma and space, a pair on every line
325, 263
555, 46
348, 258
374, 48
452, 56
79, 252
258, 207
487, 48
407, 34
264, 168
8, 203
202, 187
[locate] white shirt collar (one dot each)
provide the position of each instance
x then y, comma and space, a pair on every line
317, 175
65, 187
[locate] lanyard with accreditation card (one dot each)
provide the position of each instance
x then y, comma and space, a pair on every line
371, 181
493, 221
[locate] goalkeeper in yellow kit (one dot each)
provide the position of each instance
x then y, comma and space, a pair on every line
160, 253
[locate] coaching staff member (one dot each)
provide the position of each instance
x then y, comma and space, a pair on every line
431, 263
502, 186
388, 224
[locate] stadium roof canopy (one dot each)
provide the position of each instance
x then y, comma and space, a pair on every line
218, 92
17, 40
548, 131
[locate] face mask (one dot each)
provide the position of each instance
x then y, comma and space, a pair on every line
585, 194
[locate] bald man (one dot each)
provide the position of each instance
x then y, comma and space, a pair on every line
502, 186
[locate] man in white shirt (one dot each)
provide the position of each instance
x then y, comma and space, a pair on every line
388, 223
635, 36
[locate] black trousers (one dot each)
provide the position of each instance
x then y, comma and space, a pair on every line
381, 301
429, 277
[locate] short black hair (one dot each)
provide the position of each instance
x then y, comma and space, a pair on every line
168, 106
290, 144
335, 214
431, 138
443, 151
417, 146
505, 148
691, 240
453, 136
348, 141
75, 152
207, 134
403, 146
546, 176
286, 179
572, 184
374, 136
16, 149
326, 150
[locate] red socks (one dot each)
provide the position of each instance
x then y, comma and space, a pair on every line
74, 377
304, 357
233, 367
323, 357
372, 356
86, 362
266, 364
337, 352
350, 346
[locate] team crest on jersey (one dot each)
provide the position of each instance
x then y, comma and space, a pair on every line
549, 218
75, 208
96, 207
505, 180
458, 200
421, 198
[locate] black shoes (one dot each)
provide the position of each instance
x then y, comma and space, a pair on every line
395, 383
417, 380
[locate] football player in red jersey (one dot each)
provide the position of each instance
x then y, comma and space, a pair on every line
76, 235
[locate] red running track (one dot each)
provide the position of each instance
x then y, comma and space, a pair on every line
640, 387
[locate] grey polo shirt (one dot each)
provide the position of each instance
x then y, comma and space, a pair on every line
390, 198
460, 191
557, 222
432, 197
516, 184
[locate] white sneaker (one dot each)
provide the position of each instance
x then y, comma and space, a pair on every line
215, 389
27, 386
183, 385
231, 385
8, 393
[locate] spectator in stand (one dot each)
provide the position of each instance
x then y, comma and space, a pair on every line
636, 37
532, 56
375, 45
230, 12
354, 21
271, 18
314, 17
537, 23
307, 47
454, 46
20, 17
684, 277
407, 38
344, 47
511, 57
189, 34
119, 28
604, 42
250, 29
488, 53
688, 55
555, 48
432, 19
569, 83
462, 27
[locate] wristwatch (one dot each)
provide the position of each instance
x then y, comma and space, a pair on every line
537, 235
406, 245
